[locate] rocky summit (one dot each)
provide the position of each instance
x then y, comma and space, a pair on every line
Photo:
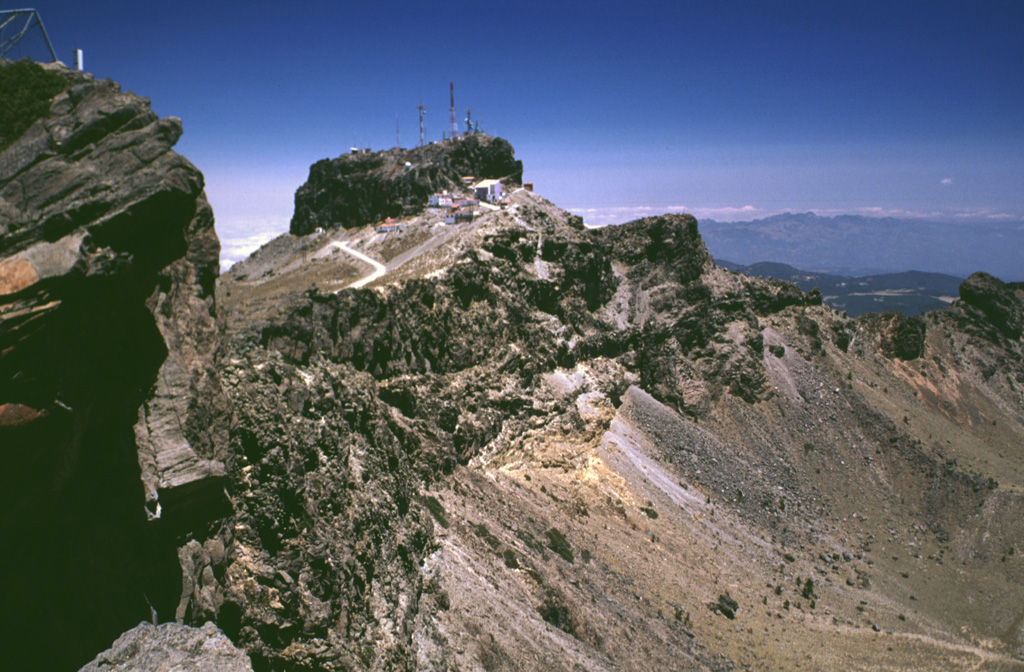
363, 187
503, 442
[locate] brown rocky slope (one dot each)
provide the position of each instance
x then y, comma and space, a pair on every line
564, 448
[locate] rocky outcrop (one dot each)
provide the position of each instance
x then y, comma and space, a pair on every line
551, 442
171, 647
895, 335
996, 302
327, 561
114, 423
357, 189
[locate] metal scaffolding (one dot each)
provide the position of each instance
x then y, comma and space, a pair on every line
32, 20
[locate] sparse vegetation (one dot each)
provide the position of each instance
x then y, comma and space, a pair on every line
436, 510
558, 543
725, 605
529, 540
400, 392
555, 612
481, 531
26, 90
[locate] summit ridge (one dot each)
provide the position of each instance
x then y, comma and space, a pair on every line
500, 441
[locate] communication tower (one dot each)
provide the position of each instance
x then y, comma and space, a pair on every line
455, 127
420, 108
32, 20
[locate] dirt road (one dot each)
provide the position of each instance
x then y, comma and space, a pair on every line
378, 268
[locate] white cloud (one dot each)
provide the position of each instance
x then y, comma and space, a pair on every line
987, 213
946, 180
729, 213
602, 216
235, 249
875, 211
242, 235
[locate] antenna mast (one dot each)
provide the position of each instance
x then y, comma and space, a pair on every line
422, 142
455, 127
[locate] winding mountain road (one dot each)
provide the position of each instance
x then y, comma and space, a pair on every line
379, 268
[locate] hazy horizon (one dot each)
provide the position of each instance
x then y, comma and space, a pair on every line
726, 110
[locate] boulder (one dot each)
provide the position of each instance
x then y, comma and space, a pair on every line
171, 648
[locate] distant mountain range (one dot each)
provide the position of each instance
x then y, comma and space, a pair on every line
853, 245
909, 293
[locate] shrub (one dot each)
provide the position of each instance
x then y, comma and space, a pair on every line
510, 559
485, 534
26, 90
436, 510
559, 544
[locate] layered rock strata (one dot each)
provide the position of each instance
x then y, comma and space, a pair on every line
113, 422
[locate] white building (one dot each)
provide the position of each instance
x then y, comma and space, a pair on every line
488, 190
441, 200
456, 216
389, 226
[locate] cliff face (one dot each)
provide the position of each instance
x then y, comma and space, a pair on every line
357, 189
112, 419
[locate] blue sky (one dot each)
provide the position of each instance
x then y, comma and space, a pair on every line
728, 110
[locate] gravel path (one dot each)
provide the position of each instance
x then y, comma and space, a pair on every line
379, 268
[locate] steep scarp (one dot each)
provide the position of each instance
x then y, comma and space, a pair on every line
113, 424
